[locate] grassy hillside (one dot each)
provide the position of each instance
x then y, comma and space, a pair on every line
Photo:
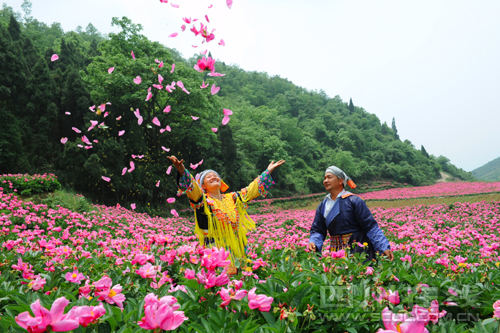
490, 171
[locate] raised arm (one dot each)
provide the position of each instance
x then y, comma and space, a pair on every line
262, 184
185, 181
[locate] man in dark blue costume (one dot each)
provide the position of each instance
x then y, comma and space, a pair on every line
347, 219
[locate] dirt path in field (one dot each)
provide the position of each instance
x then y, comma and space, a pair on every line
443, 178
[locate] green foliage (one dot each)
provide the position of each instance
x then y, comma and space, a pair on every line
489, 172
29, 184
446, 166
69, 200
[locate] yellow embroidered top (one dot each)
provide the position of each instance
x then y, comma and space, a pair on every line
224, 222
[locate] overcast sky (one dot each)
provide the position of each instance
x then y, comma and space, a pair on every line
432, 65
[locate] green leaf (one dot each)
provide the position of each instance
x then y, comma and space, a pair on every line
269, 318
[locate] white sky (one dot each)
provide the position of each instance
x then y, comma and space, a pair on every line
433, 65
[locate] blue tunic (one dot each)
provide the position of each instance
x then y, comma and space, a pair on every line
348, 215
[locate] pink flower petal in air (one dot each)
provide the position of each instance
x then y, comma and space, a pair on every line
171, 200
173, 35
133, 156
156, 122
227, 112
67, 113
165, 149
108, 103
102, 107
110, 70
195, 46
118, 118
121, 133
169, 170
124, 171
140, 156
54, 57
229, 3
106, 114
132, 206
158, 86
203, 85
173, 68
139, 120
133, 55
167, 109
148, 97
160, 78
106, 179
204, 52
168, 129
158, 184
137, 113
183, 27
222, 42
174, 213
195, 118
76, 130
92, 108
88, 147
206, 18
210, 6
132, 166
216, 74
225, 120
160, 65
214, 129
81, 146
157, 61
138, 80
174, 5
180, 84
64, 140
214, 89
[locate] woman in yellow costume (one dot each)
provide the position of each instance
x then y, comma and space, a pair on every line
221, 218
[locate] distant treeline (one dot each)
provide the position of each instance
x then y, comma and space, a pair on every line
273, 119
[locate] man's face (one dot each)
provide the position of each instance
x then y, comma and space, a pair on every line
331, 181
211, 181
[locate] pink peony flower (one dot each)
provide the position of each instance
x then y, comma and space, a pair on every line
161, 313
261, 302
401, 323
147, 271
86, 315
74, 277
228, 294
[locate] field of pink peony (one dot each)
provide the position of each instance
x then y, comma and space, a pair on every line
114, 270
436, 190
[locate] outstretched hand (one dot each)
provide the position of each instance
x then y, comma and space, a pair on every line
273, 165
178, 164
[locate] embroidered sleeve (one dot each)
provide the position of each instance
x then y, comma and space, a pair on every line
260, 186
187, 184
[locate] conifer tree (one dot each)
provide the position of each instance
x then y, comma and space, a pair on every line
422, 149
394, 129
14, 29
351, 106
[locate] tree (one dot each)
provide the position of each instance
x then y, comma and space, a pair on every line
26, 7
422, 149
14, 29
394, 129
351, 106
11, 149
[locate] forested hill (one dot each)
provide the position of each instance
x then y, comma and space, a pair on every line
42, 100
489, 172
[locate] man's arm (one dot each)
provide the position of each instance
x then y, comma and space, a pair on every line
318, 232
370, 227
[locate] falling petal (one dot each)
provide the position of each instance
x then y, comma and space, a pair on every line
81, 146
214, 89
195, 118
148, 97
203, 86
124, 171
204, 52
120, 117
106, 114
171, 200
174, 213
76, 130
121, 133
132, 166
227, 112
102, 107
64, 140
92, 108
139, 120
229, 3
195, 46
54, 57
107, 179
183, 27
158, 184
222, 42
168, 128
216, 74
169, 169
95, 141
156, 121
173, 35
174, 5
210, 6
110, 70
165, 149
133, 55
67, 113
160, 78
214, 129
132, 206
137, 80
173, 67
167, 109
206, 18
225, 120
160, 65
